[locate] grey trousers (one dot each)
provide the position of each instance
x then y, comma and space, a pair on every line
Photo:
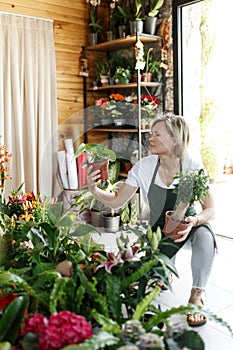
203, 246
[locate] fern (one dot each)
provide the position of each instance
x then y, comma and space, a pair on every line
98, 341
57, 293
135, 276
91, 290
107, 324
113, 295
143, 305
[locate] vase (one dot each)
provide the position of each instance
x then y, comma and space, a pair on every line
136, 27
93, 39
150, 25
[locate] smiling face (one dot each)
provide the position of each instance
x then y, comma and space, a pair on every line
161, 141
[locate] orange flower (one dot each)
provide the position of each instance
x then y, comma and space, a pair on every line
117, 97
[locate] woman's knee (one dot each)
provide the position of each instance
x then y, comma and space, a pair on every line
203, 236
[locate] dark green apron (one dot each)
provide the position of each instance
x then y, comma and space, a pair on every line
161, 200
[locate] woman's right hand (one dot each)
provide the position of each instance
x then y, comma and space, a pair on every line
93, 178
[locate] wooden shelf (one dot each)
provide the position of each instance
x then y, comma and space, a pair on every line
124, 43
125, 86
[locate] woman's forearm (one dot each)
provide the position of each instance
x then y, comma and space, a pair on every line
115, 200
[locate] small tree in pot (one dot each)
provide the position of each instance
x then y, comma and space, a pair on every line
192, 187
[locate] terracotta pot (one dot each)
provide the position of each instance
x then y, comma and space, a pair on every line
147, 77
172, 226
103, 167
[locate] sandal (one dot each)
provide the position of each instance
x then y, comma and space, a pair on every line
196, 319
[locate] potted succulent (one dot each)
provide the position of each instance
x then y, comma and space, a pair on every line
98, 155
192, 187
151, 17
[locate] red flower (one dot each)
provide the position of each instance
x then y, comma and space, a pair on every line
5, 300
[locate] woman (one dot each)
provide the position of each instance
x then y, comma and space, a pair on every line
154, 175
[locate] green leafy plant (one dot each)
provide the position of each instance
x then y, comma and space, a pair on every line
154, 7
95, 22
102, 66
95, 152
152, 65
122, 75
193, 187
133, 12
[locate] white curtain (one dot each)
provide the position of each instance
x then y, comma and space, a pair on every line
28, 103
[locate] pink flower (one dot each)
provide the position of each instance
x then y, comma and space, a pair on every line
64, 328
113, 261
35, 324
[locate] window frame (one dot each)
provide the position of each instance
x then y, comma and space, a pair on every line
177, 6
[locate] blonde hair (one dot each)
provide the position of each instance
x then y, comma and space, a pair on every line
177, 126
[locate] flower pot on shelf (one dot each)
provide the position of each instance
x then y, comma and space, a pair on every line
136, 27
150, 25
122, 31
172, 226
93, 39
104, 80
147, 77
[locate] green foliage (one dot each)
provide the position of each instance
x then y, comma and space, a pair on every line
95, 152
11, 320
193, 186
95, 22
131, 13
154, 7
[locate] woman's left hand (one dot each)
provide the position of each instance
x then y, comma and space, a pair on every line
191, 220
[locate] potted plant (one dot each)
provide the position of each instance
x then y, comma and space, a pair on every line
102, 69
122, 75
151, 17
152, 66
86, 199
98, 155
192, 187
133, 15
94, 23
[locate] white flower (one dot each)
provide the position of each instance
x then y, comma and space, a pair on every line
94, 2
